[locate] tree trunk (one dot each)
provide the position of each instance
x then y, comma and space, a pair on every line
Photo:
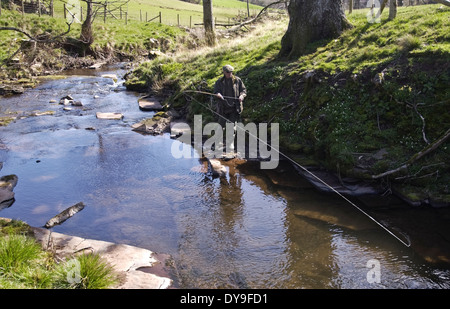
87, 36
350, 6
383, 5
208, 22
311, 21
392, 9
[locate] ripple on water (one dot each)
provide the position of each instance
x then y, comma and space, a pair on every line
250, 229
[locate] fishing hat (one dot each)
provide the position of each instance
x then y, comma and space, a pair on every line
228, 68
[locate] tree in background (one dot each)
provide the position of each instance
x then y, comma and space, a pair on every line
208, 22
87, 36
310, 21
93, 7
392, 9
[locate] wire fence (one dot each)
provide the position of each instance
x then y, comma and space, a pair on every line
117, 10
40, 7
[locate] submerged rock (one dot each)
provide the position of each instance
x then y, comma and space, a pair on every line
327, 182
340, 217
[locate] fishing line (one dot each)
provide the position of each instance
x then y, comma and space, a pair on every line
302, 167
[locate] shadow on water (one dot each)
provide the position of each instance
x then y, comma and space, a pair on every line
251, 228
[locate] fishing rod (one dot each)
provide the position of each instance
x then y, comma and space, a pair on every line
306, 170
209, 93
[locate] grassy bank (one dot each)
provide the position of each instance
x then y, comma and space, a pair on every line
114, 38
25, 265
360, 105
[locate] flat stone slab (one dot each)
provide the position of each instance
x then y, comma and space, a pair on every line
112, 76
96, 65
149, 104
134, 265
113, 116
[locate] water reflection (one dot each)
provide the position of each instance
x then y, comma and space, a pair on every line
251, 228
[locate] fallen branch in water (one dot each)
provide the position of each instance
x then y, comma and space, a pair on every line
417, 156
64, 215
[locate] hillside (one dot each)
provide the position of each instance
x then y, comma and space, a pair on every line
115, 38
359, 106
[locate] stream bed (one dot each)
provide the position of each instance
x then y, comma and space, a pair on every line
252, 228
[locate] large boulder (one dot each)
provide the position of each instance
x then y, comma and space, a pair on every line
149, 103
158, 124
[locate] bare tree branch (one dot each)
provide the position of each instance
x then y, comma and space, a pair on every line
444, 2
18, 30
33, 39
417, 156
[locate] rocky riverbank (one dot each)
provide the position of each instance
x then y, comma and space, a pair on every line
137, 268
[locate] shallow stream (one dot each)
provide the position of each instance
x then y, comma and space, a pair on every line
252, 228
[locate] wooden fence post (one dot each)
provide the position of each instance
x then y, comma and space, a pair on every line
104, 12
160, 17
126, 18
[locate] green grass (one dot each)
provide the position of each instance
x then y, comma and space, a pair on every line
25, 265
127, 39
94, 273
341, 115
189, 68
173, 12
419, 29
333, 117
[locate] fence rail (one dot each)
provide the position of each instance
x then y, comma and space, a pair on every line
113, 10
30, 6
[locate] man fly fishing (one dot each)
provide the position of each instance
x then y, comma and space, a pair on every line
230, 91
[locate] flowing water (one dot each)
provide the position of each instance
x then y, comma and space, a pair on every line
252, 228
